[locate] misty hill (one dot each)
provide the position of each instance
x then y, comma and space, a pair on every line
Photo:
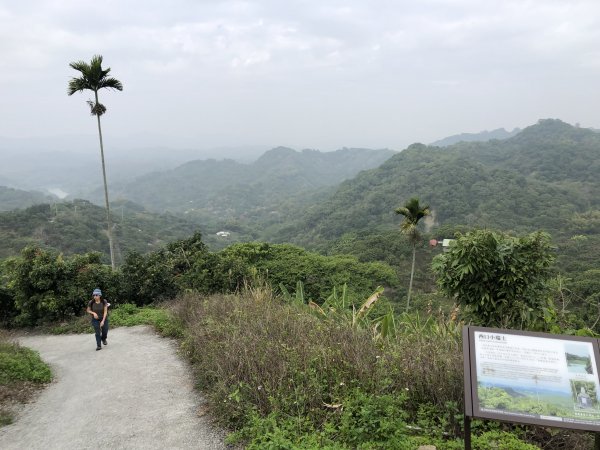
16, 198
483, 136
72, 163
79, 172
544, 177
80, 226
224, 190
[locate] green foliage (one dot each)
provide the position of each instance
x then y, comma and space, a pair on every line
162, 274
149, 277
500, 440
47, 287
16, 198
500, 280
6, 418
365, 421
538, 179
22, 364
22, 372
283, 264
341, 308
412, 212
73, 325
128, 315
284, 377
78, 227
235, 196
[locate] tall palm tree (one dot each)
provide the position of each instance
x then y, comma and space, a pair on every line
94, 78
412, 212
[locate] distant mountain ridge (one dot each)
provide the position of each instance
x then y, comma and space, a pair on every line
483, 136
16, 198
542, 177
224, 190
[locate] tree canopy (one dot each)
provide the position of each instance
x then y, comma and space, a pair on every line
498, 279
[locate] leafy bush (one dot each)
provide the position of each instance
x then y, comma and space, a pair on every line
129, 315
500, 280
22, 364
284, 264
45, 286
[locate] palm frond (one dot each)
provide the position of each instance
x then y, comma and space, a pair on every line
80, 66
96, 62
111, 83
77, 85
403, 211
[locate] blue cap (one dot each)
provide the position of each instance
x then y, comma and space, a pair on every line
97, 292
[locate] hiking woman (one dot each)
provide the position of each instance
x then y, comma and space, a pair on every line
98, 308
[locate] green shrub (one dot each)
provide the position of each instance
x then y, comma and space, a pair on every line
80, 324
128, 315
47, 287
6, 418
500, 440
22, 364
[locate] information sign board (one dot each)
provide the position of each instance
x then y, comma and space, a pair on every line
533, 378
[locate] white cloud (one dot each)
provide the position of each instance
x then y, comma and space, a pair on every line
249, 63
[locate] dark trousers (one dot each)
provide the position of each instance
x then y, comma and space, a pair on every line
101, 332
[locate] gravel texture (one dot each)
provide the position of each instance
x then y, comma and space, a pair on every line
135, 393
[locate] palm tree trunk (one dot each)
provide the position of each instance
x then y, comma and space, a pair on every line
412, 273
108, 221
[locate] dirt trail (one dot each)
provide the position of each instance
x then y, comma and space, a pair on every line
135, 393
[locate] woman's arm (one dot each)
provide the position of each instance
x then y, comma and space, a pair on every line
104, 313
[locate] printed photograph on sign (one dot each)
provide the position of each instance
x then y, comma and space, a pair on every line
541, 378
579, 359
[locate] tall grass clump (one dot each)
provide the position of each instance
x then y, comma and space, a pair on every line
283, 376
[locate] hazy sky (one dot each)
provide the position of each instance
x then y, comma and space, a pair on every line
319, 74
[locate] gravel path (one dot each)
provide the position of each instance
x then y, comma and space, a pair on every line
135, 393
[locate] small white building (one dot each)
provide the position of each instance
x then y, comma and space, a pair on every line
223, 233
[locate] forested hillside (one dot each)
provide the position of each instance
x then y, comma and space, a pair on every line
543, 178
80, 227
16, 198
220, 191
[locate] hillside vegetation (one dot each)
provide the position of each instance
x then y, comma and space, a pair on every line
542, 178
16, 198
221, 191
80, 227
303, 349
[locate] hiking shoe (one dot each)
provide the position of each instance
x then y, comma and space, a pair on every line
104, 342
98, 348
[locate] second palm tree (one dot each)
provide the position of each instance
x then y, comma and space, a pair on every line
413, 212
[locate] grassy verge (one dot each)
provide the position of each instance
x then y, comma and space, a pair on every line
22, 373
281, 377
